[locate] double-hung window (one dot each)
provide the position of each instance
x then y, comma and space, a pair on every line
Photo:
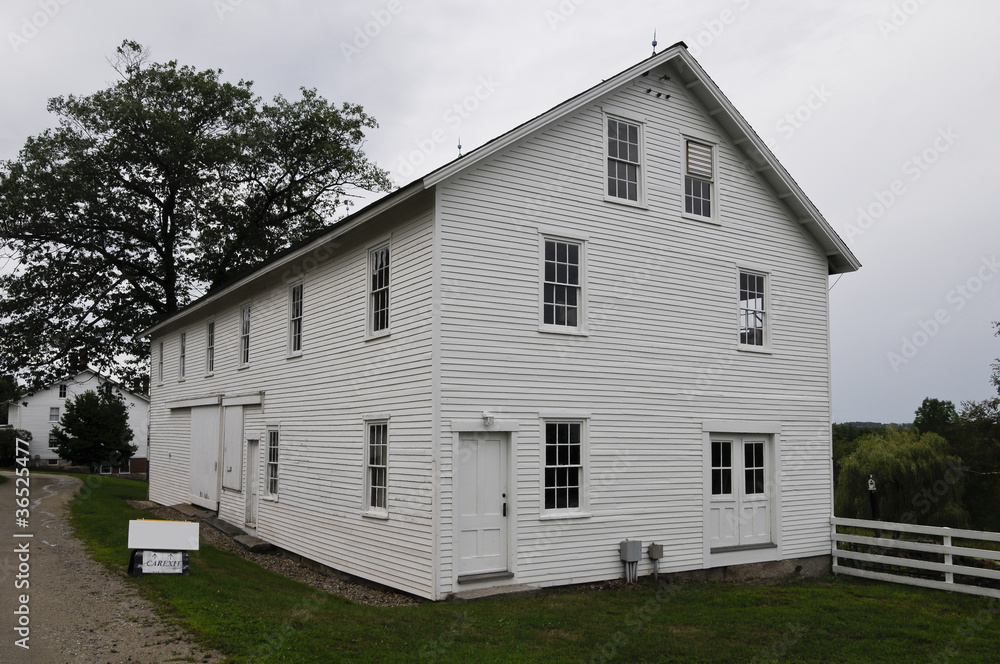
376, 467
62, 391
699, 179
210, 348
378, 290
562, 284
182, 359
245, 336
271, 467
624, 160
295, 320
564, 470
159, 364
54, 414
753, 312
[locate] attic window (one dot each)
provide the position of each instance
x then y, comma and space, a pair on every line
624, 160
699, 176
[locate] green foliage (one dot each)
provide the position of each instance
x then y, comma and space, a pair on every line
149, 192
845, 440
936, 416
8, 444
918, 482
94, 430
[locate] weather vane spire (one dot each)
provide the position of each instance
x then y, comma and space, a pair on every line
654, 41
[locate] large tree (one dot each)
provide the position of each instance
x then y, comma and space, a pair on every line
152, 191
94, 429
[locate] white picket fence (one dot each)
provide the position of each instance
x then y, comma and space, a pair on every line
884, 551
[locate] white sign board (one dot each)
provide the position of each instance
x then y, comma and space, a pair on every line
163, 535
162, 562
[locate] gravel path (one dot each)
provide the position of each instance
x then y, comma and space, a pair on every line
78, 611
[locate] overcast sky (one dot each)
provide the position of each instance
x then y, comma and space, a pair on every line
884, 111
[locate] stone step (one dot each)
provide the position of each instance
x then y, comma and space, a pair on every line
191, 510
255, 544
223, 527
517, 590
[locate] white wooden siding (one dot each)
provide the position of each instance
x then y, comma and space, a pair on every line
660, 357
319, 401
31, 413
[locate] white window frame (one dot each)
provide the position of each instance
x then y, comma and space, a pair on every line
105, 469
583, 479
767, 311
182, 357
54, 410
159, 365
581, 327
210, 348
622, 115
704, 139
368, 508
62, 391
295, 319
245, 328
272, 467
370, 291
53, 443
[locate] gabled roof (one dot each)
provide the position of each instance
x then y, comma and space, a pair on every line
74, 378
693, 79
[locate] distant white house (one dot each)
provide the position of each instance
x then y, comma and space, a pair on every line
610, 322
40, 411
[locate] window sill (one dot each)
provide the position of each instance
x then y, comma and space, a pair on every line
292, 356
181, 380
759, 350
555, 516
381, 334
209, 375
381, 516
641, 205
712, 221
243, 367
555, 329
270, 499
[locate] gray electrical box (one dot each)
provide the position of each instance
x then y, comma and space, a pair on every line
631, 551
655, 551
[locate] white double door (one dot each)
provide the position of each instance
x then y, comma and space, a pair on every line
740, 488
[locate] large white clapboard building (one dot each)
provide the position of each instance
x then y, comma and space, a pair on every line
610, 322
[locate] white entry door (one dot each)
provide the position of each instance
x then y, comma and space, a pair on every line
253, 482
740, 498
205, 443
481, 503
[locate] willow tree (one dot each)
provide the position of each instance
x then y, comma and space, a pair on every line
152, 191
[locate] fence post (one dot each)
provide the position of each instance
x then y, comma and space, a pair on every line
949, 577
833, 541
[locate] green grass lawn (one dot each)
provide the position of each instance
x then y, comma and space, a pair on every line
253, 615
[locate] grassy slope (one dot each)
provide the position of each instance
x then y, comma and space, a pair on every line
253, 615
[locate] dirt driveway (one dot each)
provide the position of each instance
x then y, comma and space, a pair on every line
77, 611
